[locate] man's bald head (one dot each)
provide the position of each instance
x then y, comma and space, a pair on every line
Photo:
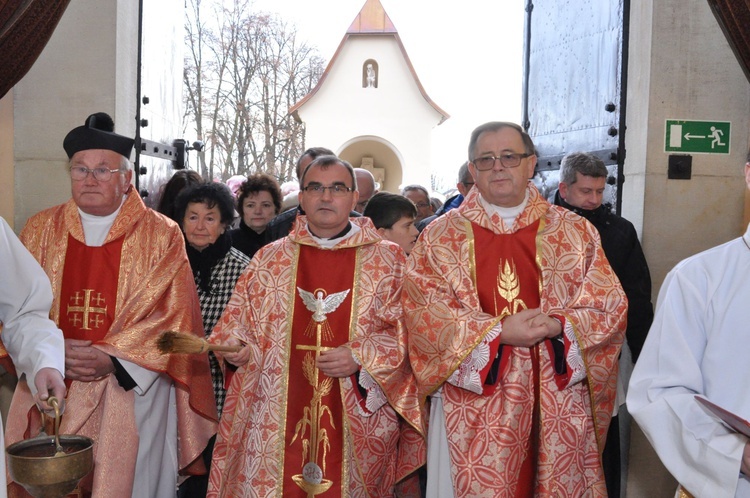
365, 186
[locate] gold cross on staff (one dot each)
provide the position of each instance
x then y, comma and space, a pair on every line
317, 347
87, 309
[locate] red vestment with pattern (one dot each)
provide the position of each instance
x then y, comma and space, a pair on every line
150, 289
281, 412
552, 419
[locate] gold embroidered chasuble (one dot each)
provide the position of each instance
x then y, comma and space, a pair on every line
488, 434
295, 298
155, 292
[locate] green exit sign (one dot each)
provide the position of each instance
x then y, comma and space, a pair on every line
702, 137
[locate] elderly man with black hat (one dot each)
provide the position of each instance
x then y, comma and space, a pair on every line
120, 276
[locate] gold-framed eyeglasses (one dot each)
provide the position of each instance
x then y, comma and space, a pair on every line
317, 190
79, 173
507, 159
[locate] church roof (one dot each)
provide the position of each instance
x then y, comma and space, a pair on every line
371, 20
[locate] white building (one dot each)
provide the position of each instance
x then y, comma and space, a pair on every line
369, 106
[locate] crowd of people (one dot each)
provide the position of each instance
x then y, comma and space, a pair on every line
367, 343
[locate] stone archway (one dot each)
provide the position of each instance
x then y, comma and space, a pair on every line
377, 155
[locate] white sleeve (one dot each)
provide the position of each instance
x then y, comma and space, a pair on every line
30, 337
698, 451
466, 376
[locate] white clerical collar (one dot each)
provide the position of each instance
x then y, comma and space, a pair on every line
746, 237
329, 243
508, 214
96, 228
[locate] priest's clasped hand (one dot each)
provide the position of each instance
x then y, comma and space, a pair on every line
240, 357
529, 327
337, 362
85, 363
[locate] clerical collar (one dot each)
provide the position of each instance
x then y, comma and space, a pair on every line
508, 214
328, 243
96, 228
746, 237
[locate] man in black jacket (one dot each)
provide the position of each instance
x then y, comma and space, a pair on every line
582, 182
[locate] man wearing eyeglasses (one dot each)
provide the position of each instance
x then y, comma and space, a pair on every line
325, 354
515, 322
421, 198
120, 277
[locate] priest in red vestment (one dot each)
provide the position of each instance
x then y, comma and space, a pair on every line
307, 412
120, 277
515, 323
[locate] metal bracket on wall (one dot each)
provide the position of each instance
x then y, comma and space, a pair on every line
157, 149
174, 153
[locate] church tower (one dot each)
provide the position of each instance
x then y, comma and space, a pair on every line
369, 106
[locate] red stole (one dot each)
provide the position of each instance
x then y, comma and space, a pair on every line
88, 293
315, 430
508, 280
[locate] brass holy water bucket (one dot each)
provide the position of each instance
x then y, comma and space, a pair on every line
50, 466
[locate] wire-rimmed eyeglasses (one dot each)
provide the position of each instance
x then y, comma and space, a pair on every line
79, 173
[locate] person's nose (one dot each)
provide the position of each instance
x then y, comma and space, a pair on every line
498, 165
327, 194
90, 180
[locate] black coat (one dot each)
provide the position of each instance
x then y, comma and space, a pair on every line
247, 240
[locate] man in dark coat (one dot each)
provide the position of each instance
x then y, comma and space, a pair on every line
582, 182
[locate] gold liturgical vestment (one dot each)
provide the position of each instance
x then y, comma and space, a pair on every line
288, 429
532, 410
155, 292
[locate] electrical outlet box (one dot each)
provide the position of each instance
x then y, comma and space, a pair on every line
680, 167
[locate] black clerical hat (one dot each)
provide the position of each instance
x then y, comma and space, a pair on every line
97, 133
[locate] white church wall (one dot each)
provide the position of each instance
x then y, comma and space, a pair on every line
395, 110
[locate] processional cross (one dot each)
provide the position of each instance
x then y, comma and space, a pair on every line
311, 480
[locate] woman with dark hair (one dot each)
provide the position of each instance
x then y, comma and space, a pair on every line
259, 200
180, 180
204, 212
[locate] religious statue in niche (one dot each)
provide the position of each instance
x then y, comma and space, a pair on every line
370, 74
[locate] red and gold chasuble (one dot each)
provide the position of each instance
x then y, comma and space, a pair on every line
508, 280
88, 294
315, 423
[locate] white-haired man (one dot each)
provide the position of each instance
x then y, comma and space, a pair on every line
120, 276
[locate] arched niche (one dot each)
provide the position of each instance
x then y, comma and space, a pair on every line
370, 74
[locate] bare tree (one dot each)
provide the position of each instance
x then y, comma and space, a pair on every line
242, 73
